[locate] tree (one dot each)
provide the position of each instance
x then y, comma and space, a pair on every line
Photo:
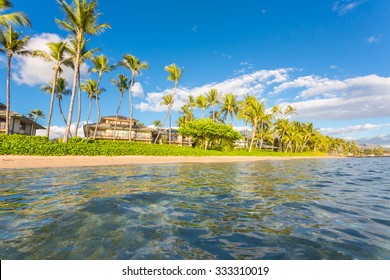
205, 131
12, 43
201, 102
229, 107
80, 19
134, 65
122, 85
157, 123
212, 97
253, 112
15, 18
290, 110
168, 100
60, 91
91, 88
56, 56
34, 115
175, 74
84, 55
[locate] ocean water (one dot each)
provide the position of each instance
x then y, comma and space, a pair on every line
296, 209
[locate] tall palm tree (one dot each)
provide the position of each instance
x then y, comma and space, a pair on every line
84, 55
157, 123
60, 91
290, 110
201, 102
168, 101
34, 115
134, 65
15, 18
122, 85
175, 74
229, 106
212, 97
93, 91
80, 19
12, 43
56, 56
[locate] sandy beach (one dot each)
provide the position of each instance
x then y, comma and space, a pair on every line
17, 162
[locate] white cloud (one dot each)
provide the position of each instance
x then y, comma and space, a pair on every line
34, 71
354, 98
374, 39
344, 6
383, 140
334, 67
352, 129
59, 131
245, 84
137, 90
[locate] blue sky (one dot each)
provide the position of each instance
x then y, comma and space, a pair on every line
328, 58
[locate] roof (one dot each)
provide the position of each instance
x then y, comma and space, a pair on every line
122, 118
21, 117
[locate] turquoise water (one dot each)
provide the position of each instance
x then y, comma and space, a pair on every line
298, 209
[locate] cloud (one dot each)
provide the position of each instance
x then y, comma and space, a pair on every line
59, 131
383, 140
344, 6
137, 90
374, 39
354, 98
34, 71
194, 29
253, 83
334, 67
352, 129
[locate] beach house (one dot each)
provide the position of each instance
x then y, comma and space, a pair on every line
19, 124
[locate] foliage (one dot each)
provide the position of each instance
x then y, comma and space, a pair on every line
207, 132
41, 146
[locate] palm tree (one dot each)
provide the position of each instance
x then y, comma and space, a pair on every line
168, 100
84, 55
56, 56
34, 115
80, 19
15, 18
253, 113
135, 66
212, 97
241, 114
122, 85
229, 106
60, 91
157, 123
201, 102
91, 88
281, 126
175, 74
12, 44
290, 110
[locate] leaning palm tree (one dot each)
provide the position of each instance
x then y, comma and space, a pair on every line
212, 97
90, 88
132, 63
175, 74
80, 19
229, 106
12, 43
34, 115
60, 91
15, 18
157, 123
168, 101
201, 102
84, 55
57, 56
122, 85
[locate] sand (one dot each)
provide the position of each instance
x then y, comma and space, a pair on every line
17, 162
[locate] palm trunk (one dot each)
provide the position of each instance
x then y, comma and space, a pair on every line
261, 134
170, 128
98, 117
116, 116
131, 105
54, 84
8, 89
78, 104
203, 113
62, 113
213, 115
253, 137
89, 114
77, 66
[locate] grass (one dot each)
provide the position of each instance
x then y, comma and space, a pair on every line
40, 146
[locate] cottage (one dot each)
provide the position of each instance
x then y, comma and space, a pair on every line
19, 124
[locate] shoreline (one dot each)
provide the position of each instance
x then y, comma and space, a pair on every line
28, 162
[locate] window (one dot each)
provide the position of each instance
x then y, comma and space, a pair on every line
22, 126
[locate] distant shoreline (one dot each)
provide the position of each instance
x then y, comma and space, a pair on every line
21, 162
